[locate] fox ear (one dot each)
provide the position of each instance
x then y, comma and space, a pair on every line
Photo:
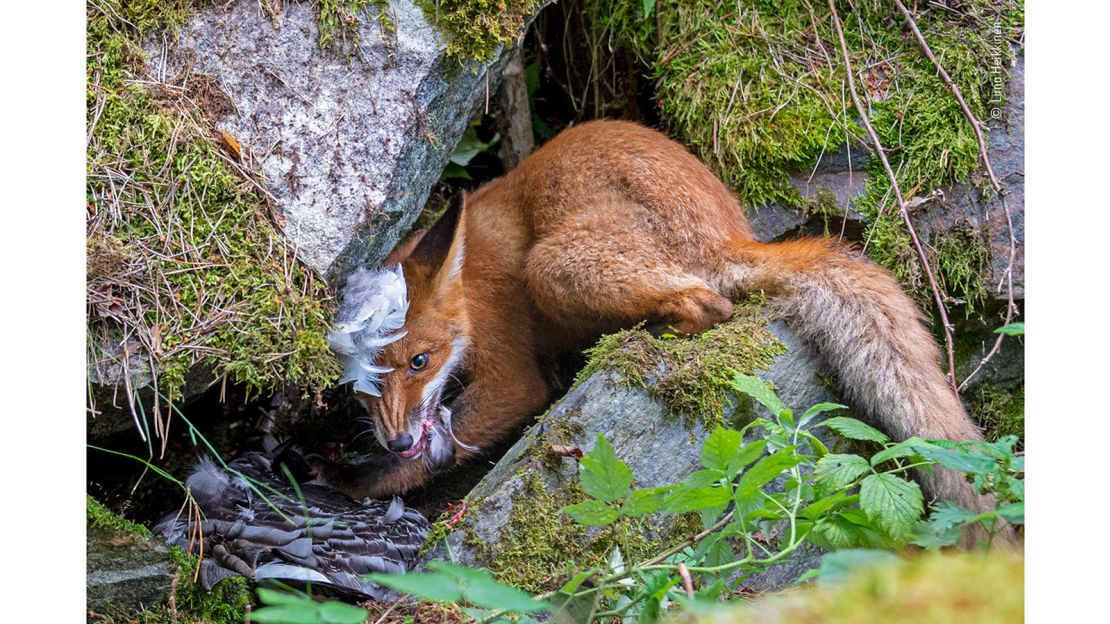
442, 248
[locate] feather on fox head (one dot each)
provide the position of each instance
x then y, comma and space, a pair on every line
401, 331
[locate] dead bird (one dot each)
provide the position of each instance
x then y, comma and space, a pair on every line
258, 524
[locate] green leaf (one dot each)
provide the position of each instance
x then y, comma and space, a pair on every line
291, 609
603, 476
701, 478
429, 586
649, 6
948, 514
1013, 329
479, 588
575, 582
895, 503
855, 429
721, 446
591, 513
748, 454
816, 509
643, 502
758, 390
905, 448
1013, 513
844, 565
489, 593
956, 459
682, 500
767, 469
839, 470
820, 408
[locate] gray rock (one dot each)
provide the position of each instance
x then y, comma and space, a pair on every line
126, 572
660, 450
349, 151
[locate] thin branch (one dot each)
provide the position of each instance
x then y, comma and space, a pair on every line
687, 582
898, 195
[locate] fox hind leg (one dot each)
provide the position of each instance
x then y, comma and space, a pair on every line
603, 282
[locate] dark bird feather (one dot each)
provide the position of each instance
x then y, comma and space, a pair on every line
326, 538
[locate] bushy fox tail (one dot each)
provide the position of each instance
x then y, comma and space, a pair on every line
871, 335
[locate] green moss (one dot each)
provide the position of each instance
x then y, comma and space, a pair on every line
340, 20
962, 260
187, 263
476, 29
690, 376
1001, 411
97, 516
226, 604
539, 547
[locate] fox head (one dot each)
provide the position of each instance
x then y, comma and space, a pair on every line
401, 364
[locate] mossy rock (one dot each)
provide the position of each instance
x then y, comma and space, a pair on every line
654, 400
132, 577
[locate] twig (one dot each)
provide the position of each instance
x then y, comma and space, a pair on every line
898, 195
690, 542
977, 127
687, 582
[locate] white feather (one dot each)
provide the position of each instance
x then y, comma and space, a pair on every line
372, 310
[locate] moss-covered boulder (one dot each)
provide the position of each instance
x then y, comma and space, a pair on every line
654, 400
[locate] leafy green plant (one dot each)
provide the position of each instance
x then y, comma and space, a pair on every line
762, 492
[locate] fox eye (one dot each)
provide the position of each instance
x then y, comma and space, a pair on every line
419, 361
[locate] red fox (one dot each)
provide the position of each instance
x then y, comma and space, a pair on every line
607, 225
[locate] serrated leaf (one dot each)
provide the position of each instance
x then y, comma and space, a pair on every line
895, 503
904, 448
758, 390
948, 514
1013, 513
591, 513
1013, 329
855, 429
602, 475
643, 502
721, 446
820, 408
837, 471
816, 509
748, 454
767, 469
956, 459
682, 500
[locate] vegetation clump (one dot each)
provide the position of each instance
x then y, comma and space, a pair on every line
476, 29
540, 547
185, 265
690, 376
925, 589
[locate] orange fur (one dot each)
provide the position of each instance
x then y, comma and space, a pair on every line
609, 224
